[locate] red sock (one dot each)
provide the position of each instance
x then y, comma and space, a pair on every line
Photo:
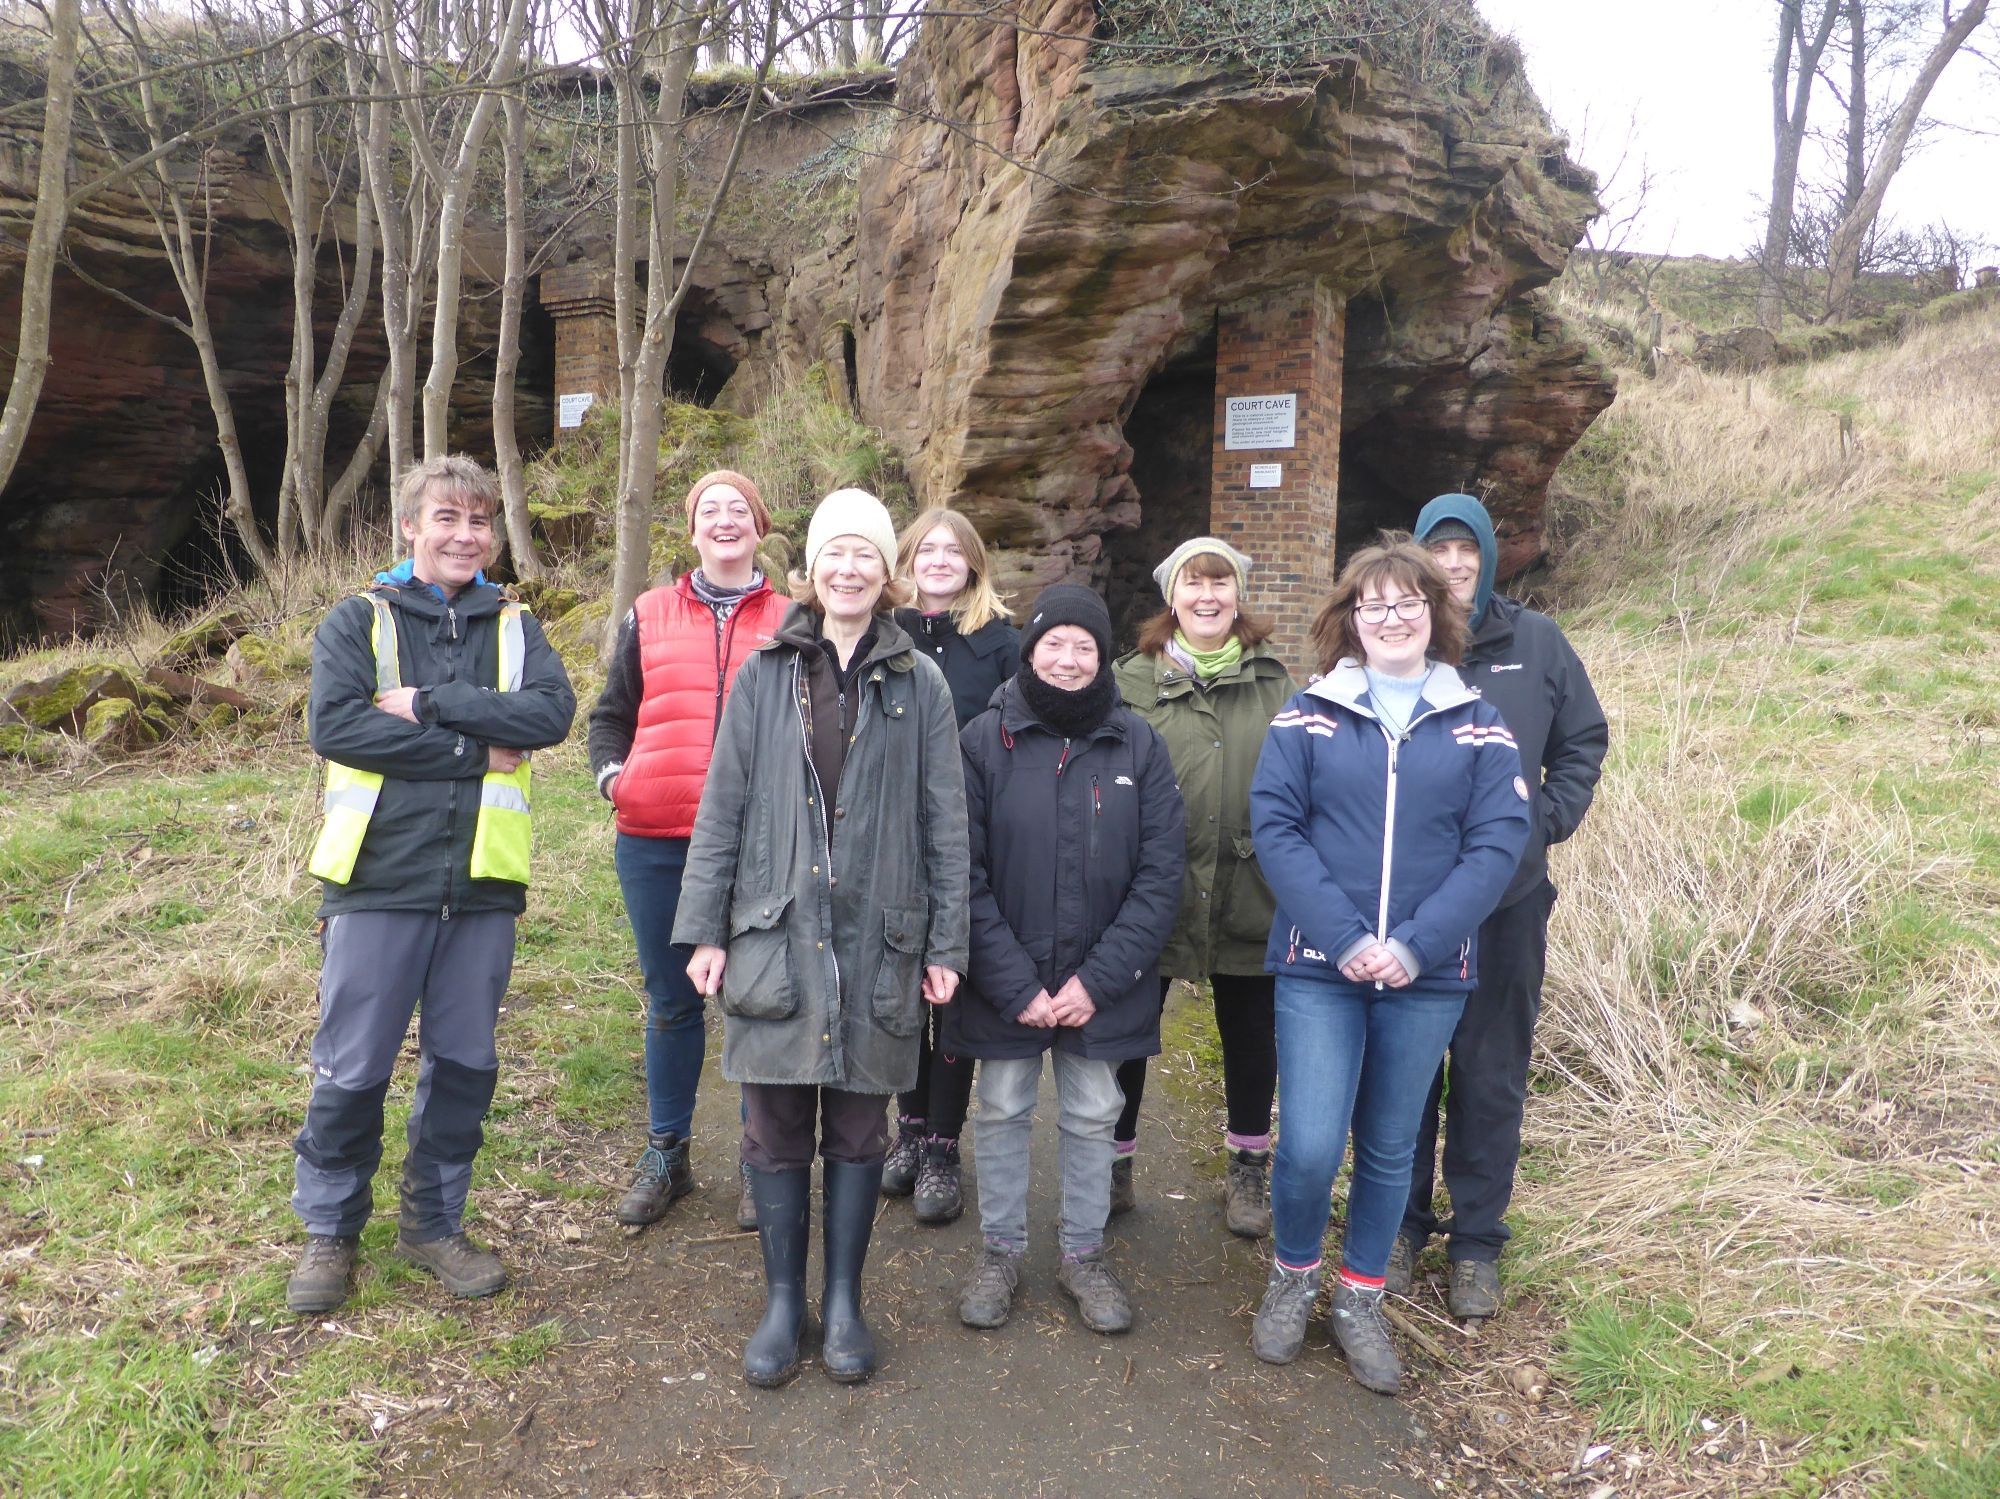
1362, 1282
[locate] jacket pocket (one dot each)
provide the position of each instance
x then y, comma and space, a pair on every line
757, 981
898, 1001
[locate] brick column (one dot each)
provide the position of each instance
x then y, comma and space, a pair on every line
580, 297
1286, 343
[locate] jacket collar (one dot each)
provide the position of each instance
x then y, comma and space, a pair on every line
1016, 717
987, 640
401, 584
1170, 680
1495, 633
800, 630
1347, 685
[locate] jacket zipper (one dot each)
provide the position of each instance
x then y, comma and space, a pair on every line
819, 791
1096, 814
1396, 743
451, 801
725, 637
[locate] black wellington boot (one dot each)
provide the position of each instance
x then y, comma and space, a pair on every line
848, 1352
771, 1357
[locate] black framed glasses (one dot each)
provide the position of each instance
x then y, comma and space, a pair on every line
1410, 606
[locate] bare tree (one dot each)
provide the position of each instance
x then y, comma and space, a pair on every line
31, 350
1860, 211
507, 353
1804, 28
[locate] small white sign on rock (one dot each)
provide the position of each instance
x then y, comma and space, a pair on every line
1266, 475
1254, 423
570, 408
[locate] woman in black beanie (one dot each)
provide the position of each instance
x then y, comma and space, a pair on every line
1077, 841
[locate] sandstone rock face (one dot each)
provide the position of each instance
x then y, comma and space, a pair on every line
1049, 229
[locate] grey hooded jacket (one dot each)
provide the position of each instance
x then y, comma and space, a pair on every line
828, 932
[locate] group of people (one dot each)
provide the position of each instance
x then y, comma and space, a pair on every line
910, 850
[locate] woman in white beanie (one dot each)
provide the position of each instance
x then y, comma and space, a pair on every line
1204, 677
825, 901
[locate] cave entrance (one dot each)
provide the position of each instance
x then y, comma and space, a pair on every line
1171, 432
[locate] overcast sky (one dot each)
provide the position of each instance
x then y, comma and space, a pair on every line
1694, 78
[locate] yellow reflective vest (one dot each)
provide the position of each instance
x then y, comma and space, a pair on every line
501, 838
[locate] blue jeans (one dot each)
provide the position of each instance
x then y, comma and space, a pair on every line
649, 872
1351, 1055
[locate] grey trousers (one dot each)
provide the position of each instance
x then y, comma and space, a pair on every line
1089, 1099
379, 967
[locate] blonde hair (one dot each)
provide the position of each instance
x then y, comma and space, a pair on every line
472, 483
979, 603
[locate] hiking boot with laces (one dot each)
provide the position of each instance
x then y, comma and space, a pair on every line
746, 1205
662, 1176
1246, 1195
988, 1298
1362, 1332
1100, 1300
899, 1171
1475, 1289
939, 1197
1401, 1275
319, 1281
1279, 1331
1123, 1198
464, 1268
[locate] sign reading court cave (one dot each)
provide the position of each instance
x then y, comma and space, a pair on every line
1255, 423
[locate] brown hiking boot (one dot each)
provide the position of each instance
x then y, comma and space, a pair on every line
1475, 1289
319, 1281
464, 1268
662, 1176
746, 1205
988, 1297
1246, 1196
1123, 1198
1100, 1300
1401, 1276
905, 1158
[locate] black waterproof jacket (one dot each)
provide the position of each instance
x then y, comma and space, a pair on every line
1077, 854
417, 855
1521, 663
975, 665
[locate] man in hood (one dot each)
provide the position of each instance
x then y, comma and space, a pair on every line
1520, 662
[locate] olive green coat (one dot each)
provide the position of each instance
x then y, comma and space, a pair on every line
1214, 734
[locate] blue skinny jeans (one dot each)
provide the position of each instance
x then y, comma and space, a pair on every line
649, 872
1351, 1057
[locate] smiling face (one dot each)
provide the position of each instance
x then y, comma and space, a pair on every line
725, 533
1204, 607
1460, 560
940, 569
451, 539
1394, 645
1066, 657
848, 575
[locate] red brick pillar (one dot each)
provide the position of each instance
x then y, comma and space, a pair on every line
580, 297
1273, 501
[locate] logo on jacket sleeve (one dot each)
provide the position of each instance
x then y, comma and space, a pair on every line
1506, 666
1312, 723
1473, 735
1520, 788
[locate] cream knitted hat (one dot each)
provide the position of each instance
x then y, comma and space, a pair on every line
852, 512
1167, 571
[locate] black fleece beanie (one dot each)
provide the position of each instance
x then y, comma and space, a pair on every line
1068, 604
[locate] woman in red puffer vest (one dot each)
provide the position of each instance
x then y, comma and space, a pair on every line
651, 736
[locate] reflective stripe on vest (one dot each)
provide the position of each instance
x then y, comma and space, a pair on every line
501, 837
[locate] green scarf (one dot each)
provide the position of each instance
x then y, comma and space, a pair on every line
1211, 664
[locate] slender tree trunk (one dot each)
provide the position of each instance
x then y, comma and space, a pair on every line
1791, 93
31, 350
1844, 250
507, 357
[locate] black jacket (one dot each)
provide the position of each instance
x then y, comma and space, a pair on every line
1521, 663
1077, 852
975, 665
418, 852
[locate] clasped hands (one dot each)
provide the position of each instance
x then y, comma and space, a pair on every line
1069, 1005
1376, 964
401, 702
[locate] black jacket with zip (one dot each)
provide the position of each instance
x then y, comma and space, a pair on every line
975, 665
1078, 847
417, 855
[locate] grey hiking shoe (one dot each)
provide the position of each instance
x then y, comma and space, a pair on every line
1246, 1195
464, 1268
1123, 1198
1401, 1276
899, 1170
746, 1205
1475, 1289
939, 1197
988, 1298
661, 1177
1100, 1300
1280, 1329
319, 1280
1362, 1332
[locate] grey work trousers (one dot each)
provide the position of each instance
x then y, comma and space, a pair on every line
378, 968
1089, 1099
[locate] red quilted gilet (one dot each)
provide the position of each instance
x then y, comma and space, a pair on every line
687, 671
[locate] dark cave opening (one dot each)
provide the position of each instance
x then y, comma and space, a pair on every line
1171, 431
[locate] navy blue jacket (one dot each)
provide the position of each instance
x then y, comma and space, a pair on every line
974, 665
1364, 838
1077, 852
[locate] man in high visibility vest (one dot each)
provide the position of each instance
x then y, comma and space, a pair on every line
428, 691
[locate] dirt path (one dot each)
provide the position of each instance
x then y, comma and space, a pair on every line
645, 1396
